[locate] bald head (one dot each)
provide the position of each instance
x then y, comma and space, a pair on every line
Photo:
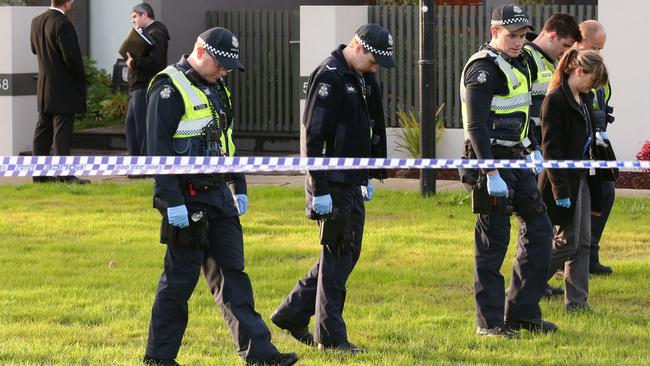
593, 35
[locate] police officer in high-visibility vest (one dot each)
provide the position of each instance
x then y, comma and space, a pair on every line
543, 50
189, 113
495, 97
594, 38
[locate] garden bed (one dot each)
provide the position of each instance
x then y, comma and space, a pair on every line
633, 180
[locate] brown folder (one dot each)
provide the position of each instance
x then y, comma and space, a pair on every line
137, 43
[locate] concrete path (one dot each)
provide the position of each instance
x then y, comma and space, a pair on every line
398, 184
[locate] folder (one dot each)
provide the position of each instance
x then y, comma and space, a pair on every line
137, 43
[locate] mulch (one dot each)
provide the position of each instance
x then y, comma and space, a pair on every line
633, 180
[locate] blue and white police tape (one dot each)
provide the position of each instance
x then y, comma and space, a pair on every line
27, 166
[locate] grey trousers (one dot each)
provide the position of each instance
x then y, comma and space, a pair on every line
571, 247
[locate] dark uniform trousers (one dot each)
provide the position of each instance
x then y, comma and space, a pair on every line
598, 222
136, 123
322, 291
571, 247
223, 267
492, 235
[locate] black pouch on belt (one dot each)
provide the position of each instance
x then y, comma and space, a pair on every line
195, 236
335, 229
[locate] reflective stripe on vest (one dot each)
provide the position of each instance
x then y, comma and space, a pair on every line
197, 108
545, 71
518, 98
607, 94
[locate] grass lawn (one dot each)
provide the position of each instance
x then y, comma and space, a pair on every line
79, 267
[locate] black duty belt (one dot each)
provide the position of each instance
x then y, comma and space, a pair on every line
205, 183
508, 152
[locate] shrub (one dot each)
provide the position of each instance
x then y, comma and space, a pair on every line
644, 154
105, 107
409, 138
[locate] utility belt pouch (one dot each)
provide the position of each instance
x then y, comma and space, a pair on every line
483, 203
194, 236
335, 229
468, 176
507, 127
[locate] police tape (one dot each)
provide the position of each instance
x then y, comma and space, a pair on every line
27, 166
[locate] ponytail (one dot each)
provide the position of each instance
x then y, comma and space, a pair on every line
590, 61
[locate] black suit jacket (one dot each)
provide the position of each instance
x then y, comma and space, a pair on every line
61, 75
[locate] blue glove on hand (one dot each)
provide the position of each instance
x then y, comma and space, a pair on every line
368, 192
496, 186
604, 135
535, 156
242, 203
322, 204
177, 216
563, 202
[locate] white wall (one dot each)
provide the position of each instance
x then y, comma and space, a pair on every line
626, 54
18, 114
109, 23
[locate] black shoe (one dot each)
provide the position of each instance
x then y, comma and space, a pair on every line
40, 179
73, 180
158, 362
343, 347
535, 326
550, 291
499, 331
301, 334
578, 308
278, 359
600, 269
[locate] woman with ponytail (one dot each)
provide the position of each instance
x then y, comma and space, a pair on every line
568, 134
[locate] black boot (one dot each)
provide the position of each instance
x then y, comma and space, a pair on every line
278, 359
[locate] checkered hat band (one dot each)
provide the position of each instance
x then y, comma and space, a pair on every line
509, 21
371, 48
215, 51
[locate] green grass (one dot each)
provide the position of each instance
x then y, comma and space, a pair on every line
79, 267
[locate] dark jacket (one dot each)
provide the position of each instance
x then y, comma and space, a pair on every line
146, 67
565, 133
61, 75
337, 119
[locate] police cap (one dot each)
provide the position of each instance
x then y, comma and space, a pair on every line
378, 41
222, 44
510, 16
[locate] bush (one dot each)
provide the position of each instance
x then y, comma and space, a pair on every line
644, 154
409, 138
105, 107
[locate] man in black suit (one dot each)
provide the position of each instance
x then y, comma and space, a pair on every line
61, 83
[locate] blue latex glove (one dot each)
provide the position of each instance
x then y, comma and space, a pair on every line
535, 156
496, 186
604, 135
368, 192
563, 202
322, 204
242, 203
177, 216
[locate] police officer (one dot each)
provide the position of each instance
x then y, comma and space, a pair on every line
593, 38
495, 97
337, 123
543, 51
189, 113
559, 34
